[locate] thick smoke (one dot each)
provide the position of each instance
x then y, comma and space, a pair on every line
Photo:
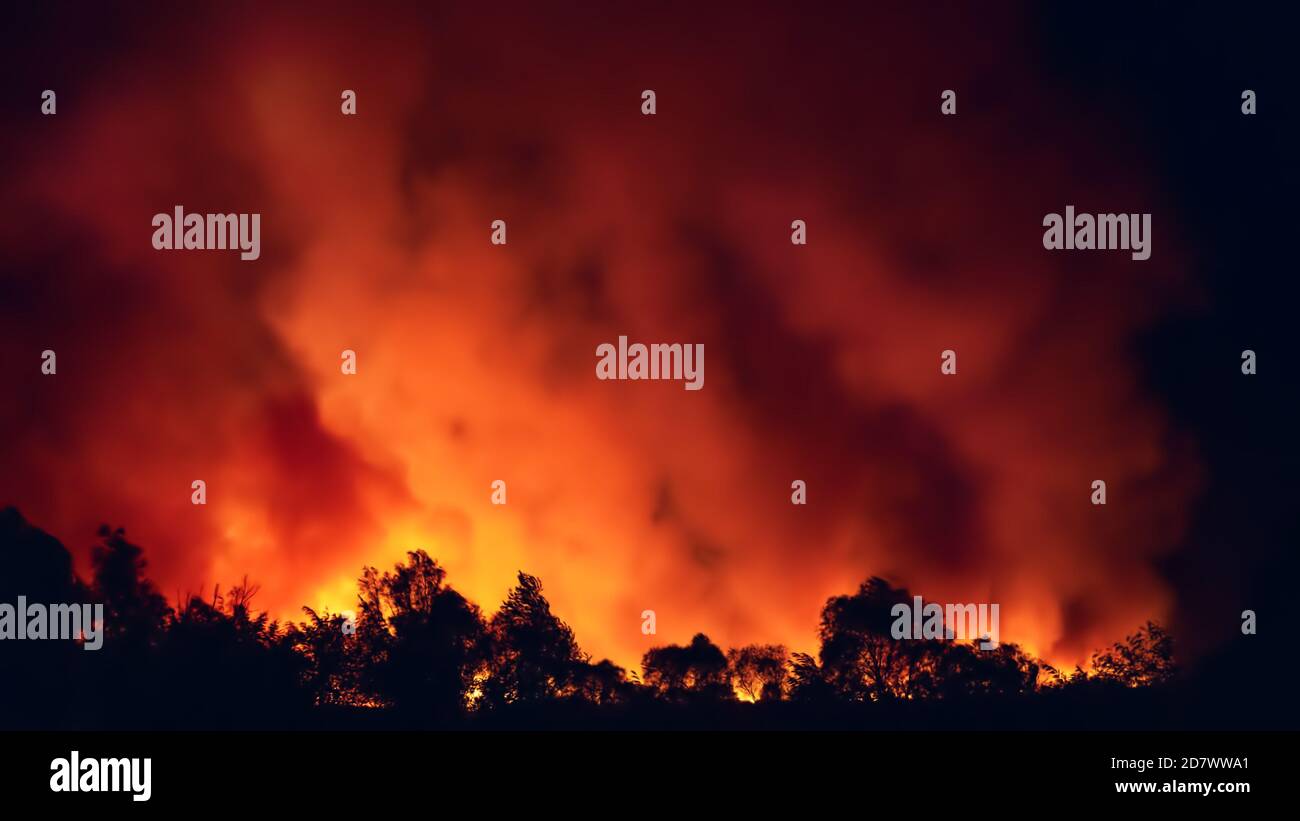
476, 362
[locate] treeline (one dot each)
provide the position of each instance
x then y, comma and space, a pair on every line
418, 653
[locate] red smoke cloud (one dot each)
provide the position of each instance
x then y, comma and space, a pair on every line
476, 362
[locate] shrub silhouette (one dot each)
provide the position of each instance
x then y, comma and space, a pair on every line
1142, 659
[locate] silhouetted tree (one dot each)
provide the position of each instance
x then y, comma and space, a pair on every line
602, 683
39, 684
760, 671
135, 612
34, 564
332, 661
951, 670
697, 671
422, 642
808, 682
860, 659
533, 654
